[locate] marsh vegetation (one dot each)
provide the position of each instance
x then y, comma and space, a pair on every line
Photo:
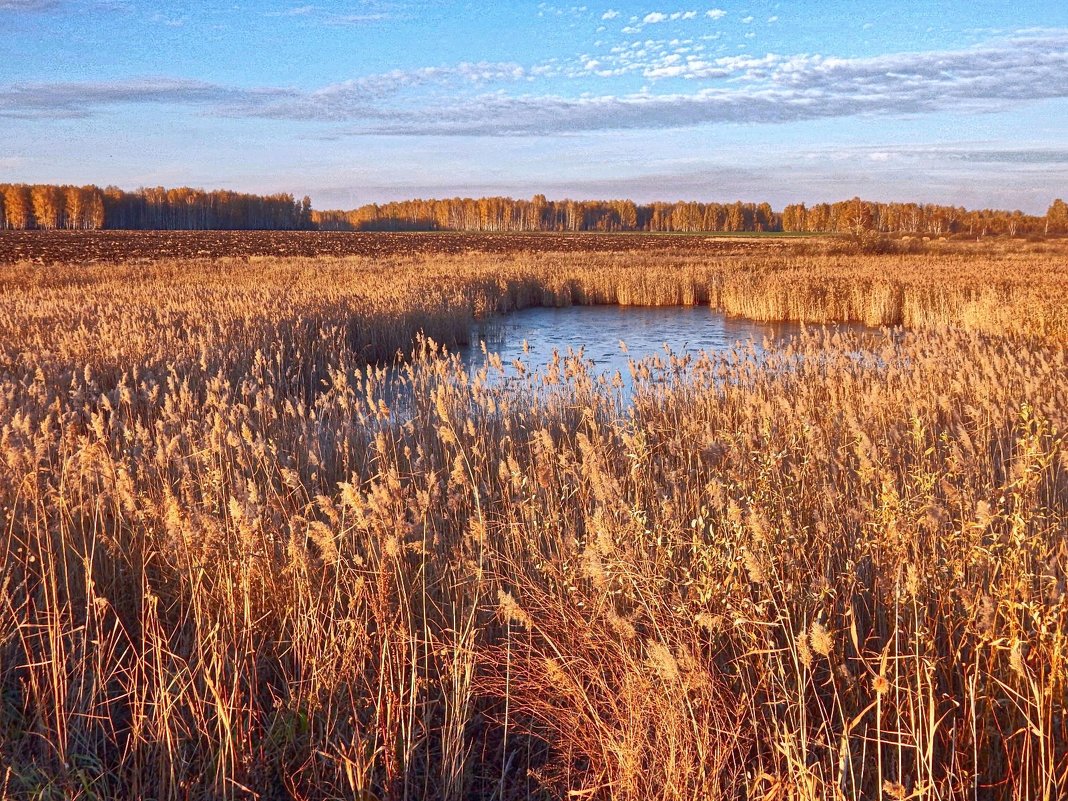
230, 570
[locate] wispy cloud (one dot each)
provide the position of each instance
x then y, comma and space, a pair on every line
357, 19
170, 22
1039, 55
344, 101
27, 5
777, 89
372, 13
295, 11
72, 100
1043, 157
827, 174
448, 100
360, 98
1037, 156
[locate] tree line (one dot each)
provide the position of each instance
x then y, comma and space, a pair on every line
48, 207
45, 206
858, 215
540, 214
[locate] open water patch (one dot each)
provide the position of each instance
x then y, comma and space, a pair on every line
610, 340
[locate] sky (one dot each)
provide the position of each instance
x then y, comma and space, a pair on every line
964, 103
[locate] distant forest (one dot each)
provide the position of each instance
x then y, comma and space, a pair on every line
44, 206
539, 214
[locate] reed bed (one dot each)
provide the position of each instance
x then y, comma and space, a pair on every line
242, 559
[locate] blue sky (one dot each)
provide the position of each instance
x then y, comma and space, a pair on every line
371, 100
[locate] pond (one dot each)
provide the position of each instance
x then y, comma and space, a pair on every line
612, 336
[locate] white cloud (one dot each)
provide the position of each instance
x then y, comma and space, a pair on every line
656, 17
610, 14
773, 88
747, 20
715, 13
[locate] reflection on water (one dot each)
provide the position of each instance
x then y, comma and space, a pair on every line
611, 336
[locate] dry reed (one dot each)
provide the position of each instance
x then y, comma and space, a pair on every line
241, 561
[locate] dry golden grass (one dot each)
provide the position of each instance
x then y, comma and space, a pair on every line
230, 569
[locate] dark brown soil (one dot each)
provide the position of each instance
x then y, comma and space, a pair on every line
74, 247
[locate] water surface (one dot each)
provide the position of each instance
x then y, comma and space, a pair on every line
611, 336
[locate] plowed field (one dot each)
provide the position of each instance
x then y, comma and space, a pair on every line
72, 247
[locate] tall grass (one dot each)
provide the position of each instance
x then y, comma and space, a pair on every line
230, 569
